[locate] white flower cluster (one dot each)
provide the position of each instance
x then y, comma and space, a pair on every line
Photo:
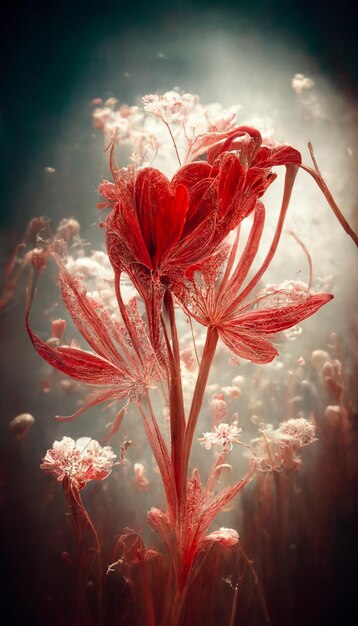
79, 461
276, 448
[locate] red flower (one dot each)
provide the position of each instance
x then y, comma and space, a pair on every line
157, 229
113, 368
225, 308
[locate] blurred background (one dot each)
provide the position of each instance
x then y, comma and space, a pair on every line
56, 59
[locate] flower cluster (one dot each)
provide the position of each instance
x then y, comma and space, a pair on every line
276, 448
78, 461
174, 232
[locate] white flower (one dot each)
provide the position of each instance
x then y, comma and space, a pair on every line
224, 435
79, 461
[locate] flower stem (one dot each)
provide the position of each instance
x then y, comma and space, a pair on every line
176, 402
317, 176
88, 554
203, 374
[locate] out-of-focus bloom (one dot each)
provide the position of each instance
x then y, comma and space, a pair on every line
223, 435
276, 448
301, 431
21, 424
78, 462
141, 480
219, 409
225, 536
163, 106
301, 83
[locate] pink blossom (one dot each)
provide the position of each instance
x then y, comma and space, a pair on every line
276, 448
141, 480
300, 430
69, 459
224, 435
226, 536
218, 409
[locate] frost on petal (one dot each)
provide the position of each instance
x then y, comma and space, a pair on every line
21, 424
274, 320
245, 335
163, 106
160, 523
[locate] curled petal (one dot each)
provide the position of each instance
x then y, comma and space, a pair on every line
111, 192
277, 155
244, 139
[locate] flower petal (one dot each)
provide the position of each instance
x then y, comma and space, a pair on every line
274, 320
124, 239
247, 345
79, 364
161, 214
91, 318
269, 156
98, 396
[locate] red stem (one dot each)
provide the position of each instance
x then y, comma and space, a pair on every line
161, 456
82, 521
317, 176
176, 402
203, 374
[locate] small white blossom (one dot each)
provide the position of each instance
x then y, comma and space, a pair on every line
224, 435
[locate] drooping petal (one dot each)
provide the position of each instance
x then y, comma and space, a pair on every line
79, 364
98, 396
91, 318
248, 255
269, 156
244, 139
247, 345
